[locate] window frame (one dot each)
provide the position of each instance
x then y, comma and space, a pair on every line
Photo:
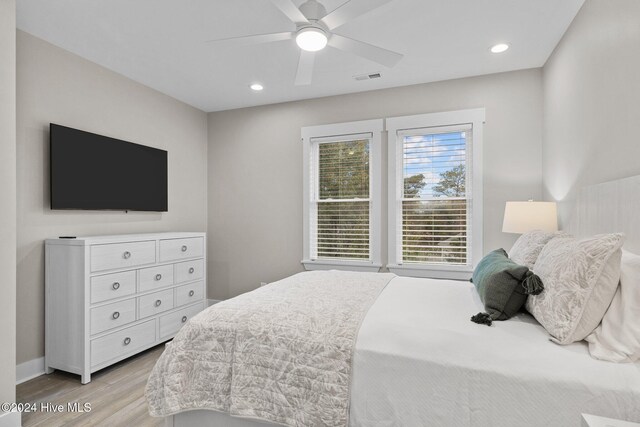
375, 128
474, 117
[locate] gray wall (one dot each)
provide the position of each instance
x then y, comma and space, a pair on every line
8, 197
255, 167
57, 86
592, 102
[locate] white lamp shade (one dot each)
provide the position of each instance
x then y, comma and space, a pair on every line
522, 217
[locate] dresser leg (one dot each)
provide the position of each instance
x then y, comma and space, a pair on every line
48, 370
85, 378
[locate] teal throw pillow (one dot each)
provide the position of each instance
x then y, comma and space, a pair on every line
503, 286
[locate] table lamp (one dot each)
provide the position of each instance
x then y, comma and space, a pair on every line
522, 217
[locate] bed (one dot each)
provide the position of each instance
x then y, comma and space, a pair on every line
419, 361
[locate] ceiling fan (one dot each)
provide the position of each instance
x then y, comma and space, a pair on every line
314, 31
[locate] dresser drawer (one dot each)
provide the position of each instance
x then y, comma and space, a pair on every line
155, 303
177, 249
121, 343
190, 293
172, 322
155, 277
112, 315
190, 270
122, 255
111, 286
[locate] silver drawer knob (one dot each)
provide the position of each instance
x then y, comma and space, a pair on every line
127, 341
184, 248
191, 293
158, 277
115, 286
126, 255
184, 319
115, 315
191, 270
158, 302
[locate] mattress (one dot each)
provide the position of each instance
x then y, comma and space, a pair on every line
420, 361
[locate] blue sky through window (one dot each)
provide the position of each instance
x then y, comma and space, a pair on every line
431, 155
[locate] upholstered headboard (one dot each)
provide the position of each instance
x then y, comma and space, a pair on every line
610, 207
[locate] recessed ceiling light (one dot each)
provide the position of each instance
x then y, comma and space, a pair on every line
311, 39
499, 48
257, 87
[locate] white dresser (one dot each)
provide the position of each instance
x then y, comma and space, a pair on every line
110, 297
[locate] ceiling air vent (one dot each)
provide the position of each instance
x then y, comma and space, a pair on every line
367, 76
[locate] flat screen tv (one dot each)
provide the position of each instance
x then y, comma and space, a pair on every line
94, 172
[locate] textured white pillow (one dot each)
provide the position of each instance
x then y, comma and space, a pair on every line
580, 278
527, 248
617, 339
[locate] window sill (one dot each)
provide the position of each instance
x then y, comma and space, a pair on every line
442, 272
364, 266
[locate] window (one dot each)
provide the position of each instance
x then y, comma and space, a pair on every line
342, 196
435, 193
342, 204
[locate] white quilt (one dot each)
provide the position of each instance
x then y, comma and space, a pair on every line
282, 353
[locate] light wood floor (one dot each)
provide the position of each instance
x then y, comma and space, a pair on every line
116, 395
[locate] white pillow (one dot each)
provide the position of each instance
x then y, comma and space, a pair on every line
527, 248
617, 339
580, 278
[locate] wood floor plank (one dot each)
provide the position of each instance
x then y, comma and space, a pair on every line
136, 409
80, 394
116, 395
43, 387
110, 401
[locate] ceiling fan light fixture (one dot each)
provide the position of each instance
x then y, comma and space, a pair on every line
311, 39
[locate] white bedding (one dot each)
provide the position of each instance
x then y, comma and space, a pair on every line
282, 353
419, 361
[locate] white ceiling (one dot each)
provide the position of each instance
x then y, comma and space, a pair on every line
161, 43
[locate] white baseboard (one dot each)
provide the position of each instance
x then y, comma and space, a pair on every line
10, 419
29, 370
210, 302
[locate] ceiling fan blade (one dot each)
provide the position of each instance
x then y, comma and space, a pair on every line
289, 8
350, 10
251, 40
388, 58
305, 68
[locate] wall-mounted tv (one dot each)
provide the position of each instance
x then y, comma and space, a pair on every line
94, 172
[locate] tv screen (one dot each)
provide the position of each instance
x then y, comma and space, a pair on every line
94, 172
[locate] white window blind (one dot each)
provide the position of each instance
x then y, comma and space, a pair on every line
435, 196
340, 211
